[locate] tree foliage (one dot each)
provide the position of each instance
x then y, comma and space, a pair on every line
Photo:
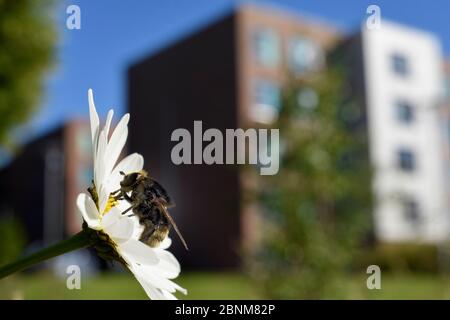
318, 207
13, 239
27, 43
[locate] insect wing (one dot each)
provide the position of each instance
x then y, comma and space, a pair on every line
162, 194
172, 222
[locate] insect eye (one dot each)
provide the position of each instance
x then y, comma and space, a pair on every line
129, 180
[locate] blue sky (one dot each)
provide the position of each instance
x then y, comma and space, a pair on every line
115, 33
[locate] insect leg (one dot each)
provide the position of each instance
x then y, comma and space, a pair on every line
117, 191
122, 196
127, 197
130, 208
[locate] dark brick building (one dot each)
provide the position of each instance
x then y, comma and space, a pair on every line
41, 184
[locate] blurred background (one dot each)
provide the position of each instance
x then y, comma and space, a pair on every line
360, 94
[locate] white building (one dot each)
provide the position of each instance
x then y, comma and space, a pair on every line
397, 77
403, 82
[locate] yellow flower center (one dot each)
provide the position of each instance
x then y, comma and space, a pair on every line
110, 204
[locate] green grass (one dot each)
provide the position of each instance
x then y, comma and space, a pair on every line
213, 286
124, 286
400, 286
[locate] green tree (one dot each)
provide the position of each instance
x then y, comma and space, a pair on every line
27, 45
13, 239
317, 209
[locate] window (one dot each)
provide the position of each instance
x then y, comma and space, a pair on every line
411, 211
267, 93
307, 99
404, 112
447, 88
406, 160
266, 47
304, 56
267, 100
400, 65
83, 143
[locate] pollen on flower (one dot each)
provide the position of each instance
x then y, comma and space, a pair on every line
112, 202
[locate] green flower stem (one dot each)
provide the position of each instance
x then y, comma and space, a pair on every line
78, 241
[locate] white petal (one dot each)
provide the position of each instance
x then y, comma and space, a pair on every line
138, 252
132, 163
168, 265
165, 244
89, 211
154, 285
99, 169
160, 282
151, 291
110, 218
168, 295
121, 231
116, 143
103, 196
118, 227
95, 122
108, 122
138, 228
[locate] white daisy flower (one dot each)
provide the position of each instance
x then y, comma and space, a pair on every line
118, 235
